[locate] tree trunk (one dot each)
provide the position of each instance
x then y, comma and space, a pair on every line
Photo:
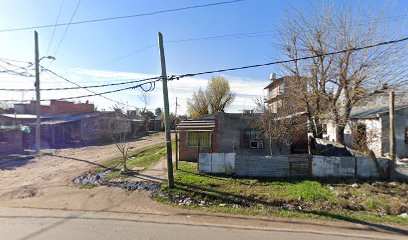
343, 119
125, 165
318, 125
340, 133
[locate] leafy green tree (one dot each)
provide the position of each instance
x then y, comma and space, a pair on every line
215, 98
197, 106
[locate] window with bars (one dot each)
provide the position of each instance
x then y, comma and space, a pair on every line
249, 135
203, 137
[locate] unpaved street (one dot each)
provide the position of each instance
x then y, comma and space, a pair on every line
46, 181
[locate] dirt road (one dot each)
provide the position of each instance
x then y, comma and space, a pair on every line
46, 181
45, 184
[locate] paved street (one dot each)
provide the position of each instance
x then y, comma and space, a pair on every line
24, 224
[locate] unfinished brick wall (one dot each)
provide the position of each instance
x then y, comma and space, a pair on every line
60, 107
56, 107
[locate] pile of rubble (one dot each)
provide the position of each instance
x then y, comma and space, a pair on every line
99, 180
94, 179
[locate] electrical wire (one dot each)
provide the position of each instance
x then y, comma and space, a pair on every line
225, 36
89, 95
66, 29
121, 17
56, 22
290, 60
79, 86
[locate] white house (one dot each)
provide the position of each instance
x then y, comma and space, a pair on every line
369, 128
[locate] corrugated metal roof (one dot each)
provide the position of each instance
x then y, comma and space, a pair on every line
373, 111
65, 118
196, 125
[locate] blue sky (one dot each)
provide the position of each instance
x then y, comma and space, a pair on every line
89, 53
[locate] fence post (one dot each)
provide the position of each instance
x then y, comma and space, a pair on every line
212, 150
177, 151
198, 155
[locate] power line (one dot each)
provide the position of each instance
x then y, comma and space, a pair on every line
122, 17
91, 95
66, 29
291, 60
225, 36
56, 22
131, 53
79, 86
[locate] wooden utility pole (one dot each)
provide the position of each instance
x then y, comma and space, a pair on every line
175, 123
166, 113
37, 93
392, 129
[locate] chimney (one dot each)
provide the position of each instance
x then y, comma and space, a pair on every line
272, 76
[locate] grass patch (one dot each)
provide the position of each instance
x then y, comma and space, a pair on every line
141, 158
147, 157
87, 186
301, 198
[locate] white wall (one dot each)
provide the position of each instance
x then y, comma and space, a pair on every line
373, 133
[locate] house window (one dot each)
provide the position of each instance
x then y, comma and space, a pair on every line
281, 88
248, 136
274, 107
406, 135
203, 137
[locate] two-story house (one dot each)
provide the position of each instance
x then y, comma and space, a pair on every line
282, 97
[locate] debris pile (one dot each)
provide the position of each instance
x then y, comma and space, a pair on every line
100, 180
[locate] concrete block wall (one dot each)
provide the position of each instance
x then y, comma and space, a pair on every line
217, 163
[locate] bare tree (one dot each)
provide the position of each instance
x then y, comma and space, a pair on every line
279, 127
115, 129
146, 99
335, 83
122, 144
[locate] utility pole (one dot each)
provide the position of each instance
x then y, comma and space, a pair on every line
175, 122
166, 113
392, 129
37, 93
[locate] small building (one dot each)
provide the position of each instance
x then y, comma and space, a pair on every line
83, 128
154, 124
368, 129
220, 133
11, 138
